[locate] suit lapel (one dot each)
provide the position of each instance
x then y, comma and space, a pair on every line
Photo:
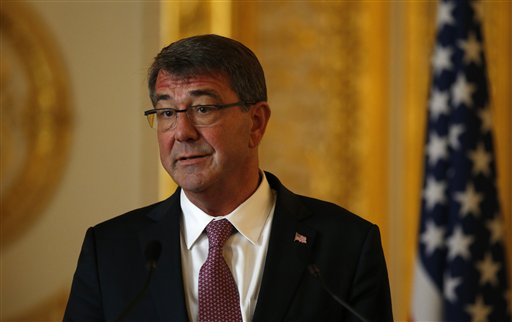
287, 258
167, 285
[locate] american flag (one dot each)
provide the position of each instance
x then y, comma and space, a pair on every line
461, 272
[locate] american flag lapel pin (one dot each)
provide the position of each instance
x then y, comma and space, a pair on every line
300, 238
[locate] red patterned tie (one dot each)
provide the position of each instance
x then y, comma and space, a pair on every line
218, 295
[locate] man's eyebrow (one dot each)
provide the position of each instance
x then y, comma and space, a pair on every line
205, 92
162, 97
193, 93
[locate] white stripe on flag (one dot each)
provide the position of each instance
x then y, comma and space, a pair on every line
427, 301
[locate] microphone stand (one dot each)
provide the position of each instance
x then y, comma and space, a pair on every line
315, 271
137, 298
152, 253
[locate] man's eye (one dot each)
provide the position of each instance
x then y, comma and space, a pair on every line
166, 113
204, 109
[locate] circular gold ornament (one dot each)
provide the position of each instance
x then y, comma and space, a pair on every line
36, 118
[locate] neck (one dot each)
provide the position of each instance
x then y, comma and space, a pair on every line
220, 203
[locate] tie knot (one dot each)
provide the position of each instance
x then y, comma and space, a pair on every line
218, 231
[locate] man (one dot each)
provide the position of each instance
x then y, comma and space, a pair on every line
210, 113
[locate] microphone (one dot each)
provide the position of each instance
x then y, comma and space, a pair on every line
152, 253
315, 271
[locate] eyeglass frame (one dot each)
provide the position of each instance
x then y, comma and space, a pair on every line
218, 107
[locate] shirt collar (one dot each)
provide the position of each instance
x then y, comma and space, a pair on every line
248, 218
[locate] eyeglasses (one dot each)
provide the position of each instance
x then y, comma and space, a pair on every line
200, 115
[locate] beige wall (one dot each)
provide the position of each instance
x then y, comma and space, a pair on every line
106, 49
347, 80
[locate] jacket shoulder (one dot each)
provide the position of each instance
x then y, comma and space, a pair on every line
332, 212
313, 209
136, 219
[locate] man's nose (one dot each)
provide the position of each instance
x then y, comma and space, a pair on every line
185, 130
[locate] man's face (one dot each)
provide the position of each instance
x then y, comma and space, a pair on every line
208, 158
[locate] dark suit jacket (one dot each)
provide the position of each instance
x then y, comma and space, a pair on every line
347, 249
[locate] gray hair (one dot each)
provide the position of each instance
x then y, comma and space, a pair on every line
210, 54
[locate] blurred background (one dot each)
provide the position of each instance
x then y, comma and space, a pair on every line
348, 87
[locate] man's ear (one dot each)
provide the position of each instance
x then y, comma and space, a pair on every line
260, 114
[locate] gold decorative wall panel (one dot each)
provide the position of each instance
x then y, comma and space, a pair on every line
332, 70
36, 119
325, 69
313, 83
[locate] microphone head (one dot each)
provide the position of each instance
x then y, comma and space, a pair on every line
152, 253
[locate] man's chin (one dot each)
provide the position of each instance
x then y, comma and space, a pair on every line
190, 182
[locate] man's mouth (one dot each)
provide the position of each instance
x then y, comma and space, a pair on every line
191, 157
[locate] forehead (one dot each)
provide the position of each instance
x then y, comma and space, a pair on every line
215, 81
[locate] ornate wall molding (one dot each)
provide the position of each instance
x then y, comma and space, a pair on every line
36, 120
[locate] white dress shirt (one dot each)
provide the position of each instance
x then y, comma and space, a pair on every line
244, 251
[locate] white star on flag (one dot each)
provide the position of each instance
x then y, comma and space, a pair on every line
437, 148
469, 201
434, 192
445, 15
455, 131
477, 7
458, 244
485, 117
442, 59
481, 160
438, 103
488, 270
433, 237
450, 284
495, 226
472, 49
479, 311
462, 91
